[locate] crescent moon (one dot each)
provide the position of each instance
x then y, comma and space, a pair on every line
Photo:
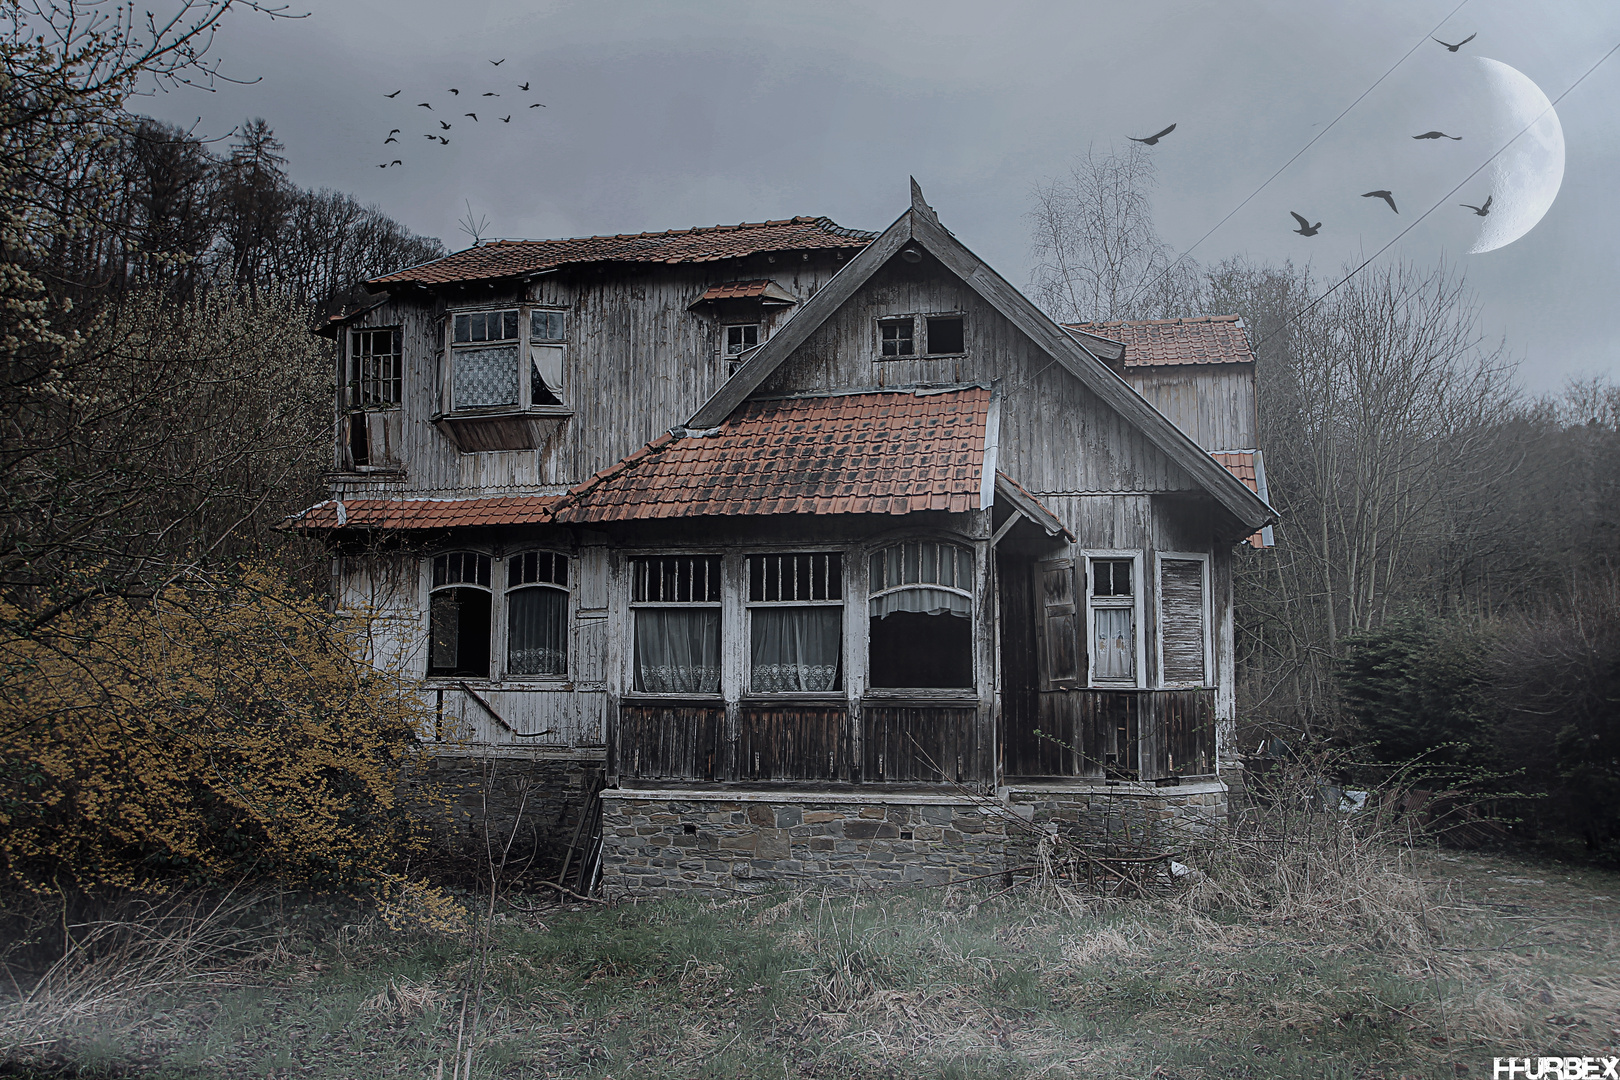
1525, 177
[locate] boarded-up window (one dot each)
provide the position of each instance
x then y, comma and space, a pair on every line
1059, 630
1183, 628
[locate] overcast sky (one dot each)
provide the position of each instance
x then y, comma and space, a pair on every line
666, 115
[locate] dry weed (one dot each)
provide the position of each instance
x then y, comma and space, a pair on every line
406, 999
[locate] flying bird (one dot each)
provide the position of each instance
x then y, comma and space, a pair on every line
491, 93
1387, 196
471, 114
1481, 210
1305, 227
1460, 44
1438, 135
441, 138
395, 94
396, 161
537, 105
525, 86
423, 105
389, 140
443, 126
499, 62
506, 119
456, 92
1152, 140
430, 136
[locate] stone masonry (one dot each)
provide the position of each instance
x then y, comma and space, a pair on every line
657, 843
662, 843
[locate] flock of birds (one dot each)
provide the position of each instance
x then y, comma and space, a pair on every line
1305, 226
445, 125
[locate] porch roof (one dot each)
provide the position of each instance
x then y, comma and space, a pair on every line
422, 513
868, 452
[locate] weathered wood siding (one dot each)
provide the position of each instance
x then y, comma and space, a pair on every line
1056, 436
1212, 403
793, 742
926, 743
637, 362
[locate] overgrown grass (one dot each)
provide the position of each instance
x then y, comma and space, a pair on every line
958, 982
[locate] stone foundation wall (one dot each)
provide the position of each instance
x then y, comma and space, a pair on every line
462, 793
1125, 813
662, 843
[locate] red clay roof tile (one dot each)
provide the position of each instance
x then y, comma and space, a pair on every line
792, 455
508, 258
422, 513
1241, 465
1207, 339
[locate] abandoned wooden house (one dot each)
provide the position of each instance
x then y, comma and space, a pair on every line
812, 544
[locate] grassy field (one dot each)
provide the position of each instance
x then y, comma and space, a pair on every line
1510, 958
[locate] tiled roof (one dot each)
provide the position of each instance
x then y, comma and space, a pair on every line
736, 290
868, 453
423, 513
1207, 339
506, 258
1240, 463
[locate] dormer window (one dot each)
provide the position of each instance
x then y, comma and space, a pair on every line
507, 359
741, 337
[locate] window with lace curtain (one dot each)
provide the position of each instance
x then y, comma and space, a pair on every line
537, 613
795, 622
675, 608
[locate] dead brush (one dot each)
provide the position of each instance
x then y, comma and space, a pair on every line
1340, 875
134, 950
405, 999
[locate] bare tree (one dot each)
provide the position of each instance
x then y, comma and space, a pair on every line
1097, 254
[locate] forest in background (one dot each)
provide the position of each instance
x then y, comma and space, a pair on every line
1445, 586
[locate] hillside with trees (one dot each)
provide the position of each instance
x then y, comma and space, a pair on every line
1445, 586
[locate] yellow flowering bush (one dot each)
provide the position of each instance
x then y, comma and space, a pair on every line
221, 728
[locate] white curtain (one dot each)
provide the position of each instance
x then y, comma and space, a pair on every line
1115, 651
678, 651
795, 649
922, 601
537, 632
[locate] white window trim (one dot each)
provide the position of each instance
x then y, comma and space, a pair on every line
500, 617
497, 618
1137, 606
523, 343
1158, 628
724, 605
748, 623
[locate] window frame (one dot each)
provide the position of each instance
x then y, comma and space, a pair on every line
442, 677
505, 614
355, 381
920, 348
749, 605
865, 552
525, 342
1137, 605
1159, 558
632, 605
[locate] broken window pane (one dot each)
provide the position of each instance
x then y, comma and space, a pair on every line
374, 368
545, 325
920, 631
895, 335
945, 335
459, 620
739, 339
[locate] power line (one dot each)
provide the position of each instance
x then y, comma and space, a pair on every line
1444, 198
1167, 270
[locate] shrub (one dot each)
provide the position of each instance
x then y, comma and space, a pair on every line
222, 728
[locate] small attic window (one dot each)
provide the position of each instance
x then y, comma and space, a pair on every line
740, 338
896, 337
945, 336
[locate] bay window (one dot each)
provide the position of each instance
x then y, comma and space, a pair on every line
506, 359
